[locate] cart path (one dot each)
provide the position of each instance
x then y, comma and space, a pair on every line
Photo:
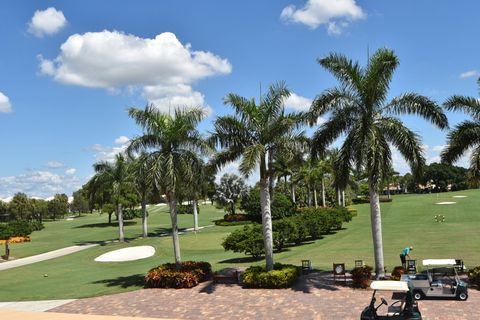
43, 305
45, 256
315, 296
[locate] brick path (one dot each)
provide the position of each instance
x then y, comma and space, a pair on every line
314, 297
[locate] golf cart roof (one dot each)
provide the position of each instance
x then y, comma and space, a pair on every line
439, 262
389, 285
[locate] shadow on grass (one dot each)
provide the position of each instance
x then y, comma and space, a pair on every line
242, 260
137, 280
105, 225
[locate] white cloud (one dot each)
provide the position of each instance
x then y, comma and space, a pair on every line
55, 164
38, 183
232, 168
439, 148
122, 140
469, 74
336, 15
104, 153
5, 105
297, 103
163, 68
47, 22
71, 171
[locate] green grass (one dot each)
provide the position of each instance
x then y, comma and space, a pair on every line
408, 220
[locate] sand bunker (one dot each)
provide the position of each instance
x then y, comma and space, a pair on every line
447, 202
459, 196
127, 254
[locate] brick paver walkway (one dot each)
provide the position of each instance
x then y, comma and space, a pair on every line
314, 297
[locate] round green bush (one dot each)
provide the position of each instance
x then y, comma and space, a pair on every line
282, 276
474, 275
248, 240
361, 276
189, 275
281, 206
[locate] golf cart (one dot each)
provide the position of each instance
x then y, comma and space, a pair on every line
439, 280
403, 306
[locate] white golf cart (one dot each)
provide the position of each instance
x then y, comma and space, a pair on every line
402, 305
439, 280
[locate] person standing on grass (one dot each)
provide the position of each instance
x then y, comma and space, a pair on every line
405, 253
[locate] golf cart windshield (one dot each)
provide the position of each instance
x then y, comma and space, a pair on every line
391, 297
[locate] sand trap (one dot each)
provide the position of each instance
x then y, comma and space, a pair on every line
459, 196
127, 254
447, 202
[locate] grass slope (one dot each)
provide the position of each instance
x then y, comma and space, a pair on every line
408, 220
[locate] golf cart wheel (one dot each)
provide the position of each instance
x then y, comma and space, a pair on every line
418, 295
463, 296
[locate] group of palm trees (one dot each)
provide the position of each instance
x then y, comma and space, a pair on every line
261, 135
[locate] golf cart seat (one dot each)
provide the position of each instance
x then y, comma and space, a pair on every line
396, 308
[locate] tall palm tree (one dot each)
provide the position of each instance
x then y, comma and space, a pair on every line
255, 134
143, 181
359, 110
466, 135
116, 176
175, 146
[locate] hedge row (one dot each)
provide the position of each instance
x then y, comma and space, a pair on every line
282, 276
189, 275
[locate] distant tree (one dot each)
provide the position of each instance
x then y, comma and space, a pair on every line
39, 209
15, 228
229, 192
58, 206
142, 177
80, 202
20, 206
3, 208
445, 177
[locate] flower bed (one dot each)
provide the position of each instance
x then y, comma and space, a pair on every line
17, 240
282, 276
167, 276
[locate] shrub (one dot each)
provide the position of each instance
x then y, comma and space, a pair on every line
474, 275
186, 209
167, 276
235, 217
224, 223
129, 214
282, 276
284, 230
397, 272
367, 200
36, 225
281, 206
20, 228
248, 240
361, 276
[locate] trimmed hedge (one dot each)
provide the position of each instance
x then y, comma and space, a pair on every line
474, 275
248, 240
224, 223
367, 200
282, 276
167, 276
186, 209
235, 217
281, 206
361, 277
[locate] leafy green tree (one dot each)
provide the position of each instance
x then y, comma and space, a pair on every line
39, 209
20, 207
58, 206
255, 134
14, 228
175, 146
3, 208
80, 202
360, 111
465, 135
115, 176
445, 177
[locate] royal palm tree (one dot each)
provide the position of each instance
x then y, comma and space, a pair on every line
142, 181
466, 135
175, 147
359, 110
255, 134
114, 175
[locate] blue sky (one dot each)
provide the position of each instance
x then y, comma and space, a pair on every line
70, 69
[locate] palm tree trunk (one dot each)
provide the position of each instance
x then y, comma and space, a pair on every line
172, 202
121, 235
339, 200
315, 197
286, 184
343, 198
293, 189
376, 221
144, 217
266, 222
323, 192
195, 215
309, 195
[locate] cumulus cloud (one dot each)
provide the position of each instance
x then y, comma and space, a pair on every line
163, 68
71, 171
297, 103
105, 153
5, 105
232, 168
335, 15
38, 183
122, 140
469, 74
47, 22
55, 164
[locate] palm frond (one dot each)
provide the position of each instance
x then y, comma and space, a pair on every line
464, 136
468, 105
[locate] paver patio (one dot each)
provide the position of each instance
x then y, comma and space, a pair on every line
314, 297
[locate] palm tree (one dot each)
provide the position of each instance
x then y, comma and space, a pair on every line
466, 135
255, 135
175, 147
115, 176
142, 180
359, 110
